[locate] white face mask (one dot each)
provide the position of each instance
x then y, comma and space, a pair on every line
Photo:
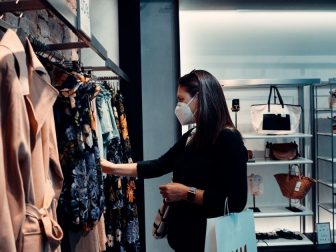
184, 114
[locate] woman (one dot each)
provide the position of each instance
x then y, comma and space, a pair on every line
208, 163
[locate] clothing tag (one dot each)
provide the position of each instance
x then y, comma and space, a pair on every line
297, 186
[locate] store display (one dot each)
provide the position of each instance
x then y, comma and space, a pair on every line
82, 202
283, 151
279, 234
255, 188
325, 121
271, 205
273, 118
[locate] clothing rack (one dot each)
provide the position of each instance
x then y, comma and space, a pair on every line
66, 15
105, 78
43, 49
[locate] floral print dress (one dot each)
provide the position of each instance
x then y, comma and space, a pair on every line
81, 202
121, 216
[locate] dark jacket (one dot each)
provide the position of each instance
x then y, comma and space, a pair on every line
220, 171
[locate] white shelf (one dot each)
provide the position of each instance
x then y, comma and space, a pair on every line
260, 136
328, 159
327, 183
325, 134
325, 109
281, 211
261, 161
285, 242
328, 207
262, 83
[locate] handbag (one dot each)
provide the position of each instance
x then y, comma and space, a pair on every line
275, 118
283, 151
159, 230
294, 186
231, 232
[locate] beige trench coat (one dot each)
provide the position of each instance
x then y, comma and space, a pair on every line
30, 173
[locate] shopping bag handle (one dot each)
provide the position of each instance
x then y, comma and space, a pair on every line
269, 97
226, 206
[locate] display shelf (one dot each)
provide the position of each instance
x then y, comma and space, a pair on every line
262, 161
285, 242
328, 183
325, 134
325, 109
246, 83
259, 136
328, 207
281, 211
328, 159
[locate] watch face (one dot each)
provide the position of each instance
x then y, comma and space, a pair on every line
191, 194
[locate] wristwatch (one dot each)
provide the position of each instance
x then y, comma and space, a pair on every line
191, 194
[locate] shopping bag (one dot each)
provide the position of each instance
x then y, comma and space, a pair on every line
275, 118
230, 233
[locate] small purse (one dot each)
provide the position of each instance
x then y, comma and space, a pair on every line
160, 222
283, 151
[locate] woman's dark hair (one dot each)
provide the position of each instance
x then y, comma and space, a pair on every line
212, 115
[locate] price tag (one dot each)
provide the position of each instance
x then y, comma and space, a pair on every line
323, 233
297, 186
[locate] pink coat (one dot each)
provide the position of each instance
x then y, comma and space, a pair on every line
30, 174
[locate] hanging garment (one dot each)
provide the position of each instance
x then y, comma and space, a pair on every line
82, 200
106, 118
123, 128
121, 219
30, 165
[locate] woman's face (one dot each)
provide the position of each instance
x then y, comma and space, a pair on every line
184, 96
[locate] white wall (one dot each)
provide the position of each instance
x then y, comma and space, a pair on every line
104, 25
259, 44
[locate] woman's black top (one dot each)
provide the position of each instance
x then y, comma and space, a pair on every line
220, 170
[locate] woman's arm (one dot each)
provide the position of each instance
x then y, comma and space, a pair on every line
127, 169
175, 192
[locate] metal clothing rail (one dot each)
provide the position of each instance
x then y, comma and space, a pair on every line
99, 69
69, 18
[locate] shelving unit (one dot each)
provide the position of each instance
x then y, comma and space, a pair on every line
325, 154
282, 211
267, 167
261, 161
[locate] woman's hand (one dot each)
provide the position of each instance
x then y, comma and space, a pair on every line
106, 166
174, 192
128, 169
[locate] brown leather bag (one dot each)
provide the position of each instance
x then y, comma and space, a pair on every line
284, 151
294, 186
